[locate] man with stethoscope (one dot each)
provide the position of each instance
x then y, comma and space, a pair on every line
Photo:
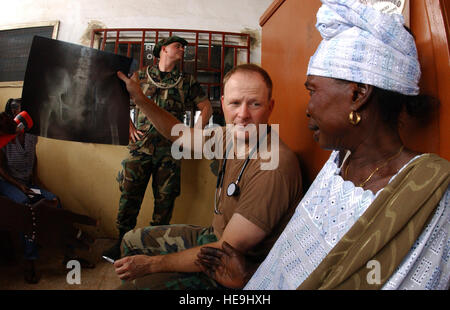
252, 205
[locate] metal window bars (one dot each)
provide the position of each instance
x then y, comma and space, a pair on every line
208, 56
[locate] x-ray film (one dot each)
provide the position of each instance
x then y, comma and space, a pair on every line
72, 92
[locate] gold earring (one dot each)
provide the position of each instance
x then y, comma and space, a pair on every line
354, 118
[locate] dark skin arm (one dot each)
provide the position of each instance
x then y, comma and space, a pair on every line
227, 266
54, 226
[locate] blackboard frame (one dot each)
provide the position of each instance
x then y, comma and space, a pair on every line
30, 28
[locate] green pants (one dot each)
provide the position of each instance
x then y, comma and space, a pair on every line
133, 180
160, 240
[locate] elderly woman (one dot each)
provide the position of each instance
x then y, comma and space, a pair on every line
377, 215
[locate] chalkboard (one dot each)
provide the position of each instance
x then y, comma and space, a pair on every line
15, 47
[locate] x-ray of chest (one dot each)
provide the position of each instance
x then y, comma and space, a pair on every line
72, 92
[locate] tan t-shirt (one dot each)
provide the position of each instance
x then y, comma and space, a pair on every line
267, 198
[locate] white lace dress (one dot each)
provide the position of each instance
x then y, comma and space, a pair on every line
327, 211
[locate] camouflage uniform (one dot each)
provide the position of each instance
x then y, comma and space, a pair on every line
151, 155
160, 240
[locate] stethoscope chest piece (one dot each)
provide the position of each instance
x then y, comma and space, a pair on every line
233, 189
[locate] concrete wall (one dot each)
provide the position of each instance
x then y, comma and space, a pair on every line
78, 17
83, 174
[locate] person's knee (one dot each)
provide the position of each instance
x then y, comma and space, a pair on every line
50, 196
19, 197
131, 242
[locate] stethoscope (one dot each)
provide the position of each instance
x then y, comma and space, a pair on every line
233, 189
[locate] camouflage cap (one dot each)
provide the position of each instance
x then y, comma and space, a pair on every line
167, 41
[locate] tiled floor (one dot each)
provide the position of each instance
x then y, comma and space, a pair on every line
54, 274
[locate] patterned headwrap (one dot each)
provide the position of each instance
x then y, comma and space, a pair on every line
361, 44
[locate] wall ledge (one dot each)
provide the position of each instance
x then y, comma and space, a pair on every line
270, 11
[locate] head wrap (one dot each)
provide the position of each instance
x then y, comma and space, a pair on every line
361, 44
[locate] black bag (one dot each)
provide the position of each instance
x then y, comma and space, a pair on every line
35, 198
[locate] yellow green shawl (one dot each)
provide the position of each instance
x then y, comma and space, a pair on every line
387, 229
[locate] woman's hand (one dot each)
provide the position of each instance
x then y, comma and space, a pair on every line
25, 189
227, 266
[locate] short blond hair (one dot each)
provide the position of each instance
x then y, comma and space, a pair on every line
251, 68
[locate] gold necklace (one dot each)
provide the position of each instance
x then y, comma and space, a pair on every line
377, 168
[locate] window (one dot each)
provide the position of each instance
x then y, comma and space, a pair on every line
209, 55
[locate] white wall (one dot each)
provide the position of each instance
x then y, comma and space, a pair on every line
77, 17
83, 174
